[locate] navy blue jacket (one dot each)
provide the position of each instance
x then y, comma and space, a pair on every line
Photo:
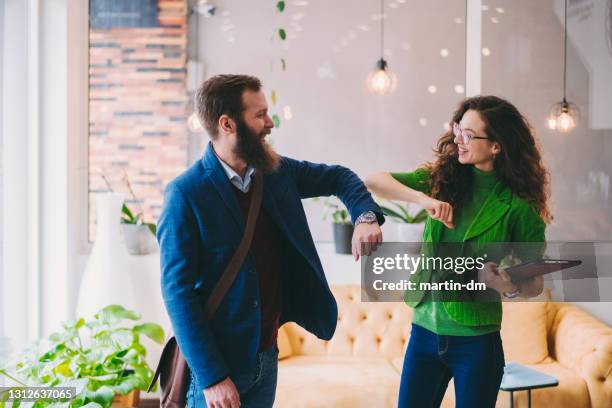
199, 229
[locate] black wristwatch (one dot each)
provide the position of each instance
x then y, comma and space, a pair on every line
368, 217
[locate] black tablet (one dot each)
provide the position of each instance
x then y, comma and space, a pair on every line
540, 267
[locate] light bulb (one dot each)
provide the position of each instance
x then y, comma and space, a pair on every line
193, 123
563, 117
382, 80
566, 122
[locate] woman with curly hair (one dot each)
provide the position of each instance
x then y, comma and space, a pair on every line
487, 185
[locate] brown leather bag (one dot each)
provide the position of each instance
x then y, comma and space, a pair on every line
172, 369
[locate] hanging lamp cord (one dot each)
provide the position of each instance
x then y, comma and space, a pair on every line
382, 30
565, 51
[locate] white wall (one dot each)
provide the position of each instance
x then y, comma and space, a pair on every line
329, 56
336, 121
525, 66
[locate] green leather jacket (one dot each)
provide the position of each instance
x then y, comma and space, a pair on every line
503, 218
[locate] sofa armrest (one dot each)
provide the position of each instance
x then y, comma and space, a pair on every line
584, 344
283, 343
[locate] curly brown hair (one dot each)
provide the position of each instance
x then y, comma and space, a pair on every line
518, 165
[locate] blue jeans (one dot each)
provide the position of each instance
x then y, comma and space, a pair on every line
475, 362
257, 388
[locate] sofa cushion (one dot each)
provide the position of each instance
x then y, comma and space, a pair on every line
398, 364
329, 381
365, 329
523, 332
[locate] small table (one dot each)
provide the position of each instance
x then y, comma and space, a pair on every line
517, 377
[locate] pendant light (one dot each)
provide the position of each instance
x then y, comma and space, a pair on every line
564, 115
382, 80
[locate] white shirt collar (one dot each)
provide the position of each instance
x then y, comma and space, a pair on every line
240, 183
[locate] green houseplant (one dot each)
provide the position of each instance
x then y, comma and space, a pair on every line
341, 224
138, 235
402, 214
409, 226
101, 358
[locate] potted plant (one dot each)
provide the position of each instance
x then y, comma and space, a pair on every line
341, 224
139, 236
409, 227
102, 359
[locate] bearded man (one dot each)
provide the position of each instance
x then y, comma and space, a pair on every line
233, 355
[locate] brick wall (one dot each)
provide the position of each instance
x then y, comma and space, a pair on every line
138, 108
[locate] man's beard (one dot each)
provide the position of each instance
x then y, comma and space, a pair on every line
254, 149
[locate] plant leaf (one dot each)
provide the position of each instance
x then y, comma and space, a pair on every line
63, 369
273, 97
122, 338
152, 331
276, 120
92, 405
105, 377
420, 217
280, 6
103, 396
128, 384
403, 210
48, 356
140, 349
116, 312
283, 64
153, 228
128, 214
80, 323
282, 34
393, 214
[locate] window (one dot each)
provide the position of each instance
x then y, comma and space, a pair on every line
523, 61
13, 193
137, 100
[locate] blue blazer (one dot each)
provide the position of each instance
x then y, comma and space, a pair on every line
198, 231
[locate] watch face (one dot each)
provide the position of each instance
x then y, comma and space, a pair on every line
369, 217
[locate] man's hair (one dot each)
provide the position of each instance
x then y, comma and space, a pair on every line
222, 95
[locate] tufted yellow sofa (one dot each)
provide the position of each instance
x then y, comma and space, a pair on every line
361, 365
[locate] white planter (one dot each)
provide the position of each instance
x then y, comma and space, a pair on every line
410, 232
107, 279
138, 239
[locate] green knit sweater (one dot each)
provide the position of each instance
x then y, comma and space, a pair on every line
432, 315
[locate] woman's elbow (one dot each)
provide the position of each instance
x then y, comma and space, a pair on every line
372, 181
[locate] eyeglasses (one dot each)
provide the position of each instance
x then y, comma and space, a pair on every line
465, 135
